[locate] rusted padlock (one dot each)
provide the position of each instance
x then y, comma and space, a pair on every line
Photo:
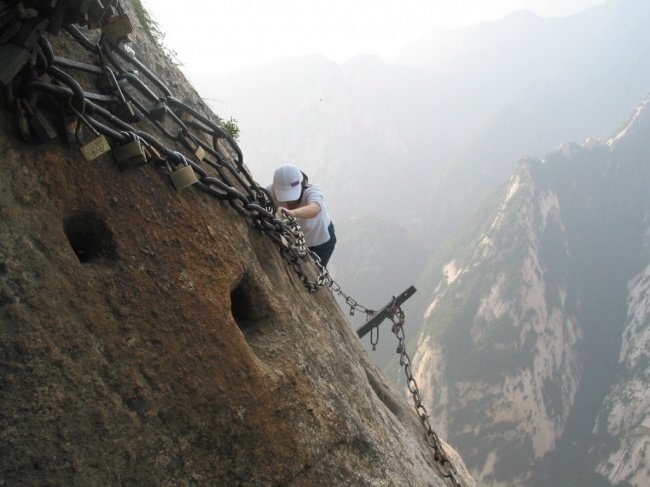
96, 13
158, 111
12, 59
152, 154
130, 155
199, 152
30, 32
95, 148
57, 18
117, 27
183, 178
185, 117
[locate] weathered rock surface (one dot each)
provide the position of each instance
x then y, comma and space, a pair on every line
625, 418
153, 337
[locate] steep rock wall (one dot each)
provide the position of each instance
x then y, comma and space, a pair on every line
626, 410
153, 337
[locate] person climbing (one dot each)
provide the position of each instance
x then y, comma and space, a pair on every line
303, 201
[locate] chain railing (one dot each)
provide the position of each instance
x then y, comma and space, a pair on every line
444, 465
39, 88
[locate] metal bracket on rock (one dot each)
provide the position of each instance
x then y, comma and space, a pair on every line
385, 312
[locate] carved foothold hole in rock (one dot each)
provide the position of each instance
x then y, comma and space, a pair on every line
89, 237
248, 305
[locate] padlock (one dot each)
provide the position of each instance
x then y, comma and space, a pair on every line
57, 18
186, 117
12, 59
9, 31
152, 154
96, 13
199, 152
183, 177
130, 155
95, 148
30, 32
117, 27
158, 111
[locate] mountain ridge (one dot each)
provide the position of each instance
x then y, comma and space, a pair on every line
527, 319
461, 129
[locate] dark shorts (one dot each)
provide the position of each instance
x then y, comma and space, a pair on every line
324, 250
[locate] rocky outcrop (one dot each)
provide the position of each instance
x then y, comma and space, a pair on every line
154, 337
625, 418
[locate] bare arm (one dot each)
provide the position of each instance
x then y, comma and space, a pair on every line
305, 212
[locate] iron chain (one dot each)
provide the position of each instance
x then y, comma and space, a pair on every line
442, 461
128, 86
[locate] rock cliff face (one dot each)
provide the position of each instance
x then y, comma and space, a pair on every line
626, 410
624, 420
535, 341
154, 337
510, 347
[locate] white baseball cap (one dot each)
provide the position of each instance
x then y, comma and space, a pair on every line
287, 181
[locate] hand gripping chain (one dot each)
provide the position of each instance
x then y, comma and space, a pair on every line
41, 89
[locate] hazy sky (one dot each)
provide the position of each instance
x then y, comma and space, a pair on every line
218, 36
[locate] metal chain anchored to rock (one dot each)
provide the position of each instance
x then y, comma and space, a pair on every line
49, 102
393, 312
39, 88
443, 463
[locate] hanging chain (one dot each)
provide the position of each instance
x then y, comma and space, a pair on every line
442, 461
